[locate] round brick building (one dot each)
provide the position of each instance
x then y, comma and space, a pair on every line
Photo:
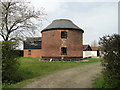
62, 39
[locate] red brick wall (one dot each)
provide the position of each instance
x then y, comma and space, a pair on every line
52, 43
34, 53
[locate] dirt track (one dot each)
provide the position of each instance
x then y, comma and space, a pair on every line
78, 77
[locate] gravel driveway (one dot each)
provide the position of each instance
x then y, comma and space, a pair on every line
77, 77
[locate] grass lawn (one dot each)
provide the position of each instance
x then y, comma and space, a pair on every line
32, 69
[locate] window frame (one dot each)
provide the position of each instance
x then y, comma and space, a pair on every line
64, 34
29, 52
63, 50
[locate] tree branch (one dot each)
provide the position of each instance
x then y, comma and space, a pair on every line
17, 17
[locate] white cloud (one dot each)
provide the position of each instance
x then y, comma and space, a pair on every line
50, 6
102, 21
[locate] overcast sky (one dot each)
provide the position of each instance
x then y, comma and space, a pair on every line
95, 17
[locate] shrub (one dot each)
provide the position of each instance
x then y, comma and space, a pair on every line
10, 63
111, 61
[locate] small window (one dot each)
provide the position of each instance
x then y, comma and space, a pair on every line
63, 34
63, 51
29, 52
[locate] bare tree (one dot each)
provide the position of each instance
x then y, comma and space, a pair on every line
94, 43
18, 20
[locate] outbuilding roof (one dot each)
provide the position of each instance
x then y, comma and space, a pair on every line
87, 48
33, 43
62, 24
32, 39
96, 48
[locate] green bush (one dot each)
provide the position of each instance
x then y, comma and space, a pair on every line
10, 63
111, 61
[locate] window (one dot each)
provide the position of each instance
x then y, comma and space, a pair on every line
63, 51
63, 34
29, 52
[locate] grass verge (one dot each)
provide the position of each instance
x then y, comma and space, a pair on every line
32, 69
99, 82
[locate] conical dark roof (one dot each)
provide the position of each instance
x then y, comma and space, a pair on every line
62, 24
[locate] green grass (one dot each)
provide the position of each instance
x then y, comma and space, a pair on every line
32, 69
99, 82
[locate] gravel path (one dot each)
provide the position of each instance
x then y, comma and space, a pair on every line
77, 77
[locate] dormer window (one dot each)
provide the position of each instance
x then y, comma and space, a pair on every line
63, 34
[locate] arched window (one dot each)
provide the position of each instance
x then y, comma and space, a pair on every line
63, 51
63, 34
